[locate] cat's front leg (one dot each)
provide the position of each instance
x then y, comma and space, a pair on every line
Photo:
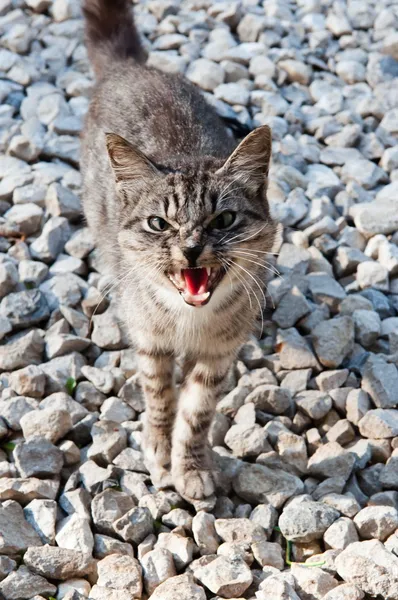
157, 378
191, 462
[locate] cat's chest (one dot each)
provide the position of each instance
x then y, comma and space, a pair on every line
160, 317
190, 329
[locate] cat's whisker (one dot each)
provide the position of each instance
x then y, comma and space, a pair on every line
240, 278
227, 189
116, 281
255, 250
255, 279
261, 291
122, 277
225, 265
243, 252
228, 266
223, 238
109, 286
248, 237
271, 298
268, 266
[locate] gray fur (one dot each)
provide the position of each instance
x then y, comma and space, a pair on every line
153, 147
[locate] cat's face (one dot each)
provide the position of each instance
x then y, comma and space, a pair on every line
198, 230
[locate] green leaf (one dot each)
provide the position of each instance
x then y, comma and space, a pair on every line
288, 558
315, 564
157, 525
8, 446
70, 385
289, 553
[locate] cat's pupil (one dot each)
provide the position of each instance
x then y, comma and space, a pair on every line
223, 220
157, 223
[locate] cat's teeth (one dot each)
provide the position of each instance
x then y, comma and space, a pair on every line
177, 278
196, 299
208, 269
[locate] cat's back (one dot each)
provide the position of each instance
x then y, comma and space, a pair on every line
163, 114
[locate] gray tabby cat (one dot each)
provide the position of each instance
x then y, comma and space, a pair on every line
182, 219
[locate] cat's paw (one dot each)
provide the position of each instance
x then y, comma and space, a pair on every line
160, 477
194, 484
157, 452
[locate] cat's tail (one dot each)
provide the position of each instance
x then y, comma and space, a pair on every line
111, 33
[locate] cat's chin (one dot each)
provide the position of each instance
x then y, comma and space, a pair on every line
196, 285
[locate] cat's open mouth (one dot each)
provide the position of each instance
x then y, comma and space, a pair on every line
196, 285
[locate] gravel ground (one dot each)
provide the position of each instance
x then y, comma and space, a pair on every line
306, 438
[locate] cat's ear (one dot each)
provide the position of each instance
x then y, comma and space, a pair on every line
128, 163
249, 163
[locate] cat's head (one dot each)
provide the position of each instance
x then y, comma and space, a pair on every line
198, 229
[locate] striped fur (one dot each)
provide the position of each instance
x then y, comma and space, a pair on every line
174, 160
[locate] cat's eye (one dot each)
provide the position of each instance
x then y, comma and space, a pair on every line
223, 220
158, 224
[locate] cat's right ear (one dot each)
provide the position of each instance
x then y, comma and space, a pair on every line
249, 163
129, 164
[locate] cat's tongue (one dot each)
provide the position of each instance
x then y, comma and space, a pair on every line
193, 284
196, 281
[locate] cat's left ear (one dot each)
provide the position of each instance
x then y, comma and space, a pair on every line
128, 163
249, 163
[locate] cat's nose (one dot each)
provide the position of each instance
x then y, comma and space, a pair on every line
192, 254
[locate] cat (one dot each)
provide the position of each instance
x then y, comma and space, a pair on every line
181, 217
